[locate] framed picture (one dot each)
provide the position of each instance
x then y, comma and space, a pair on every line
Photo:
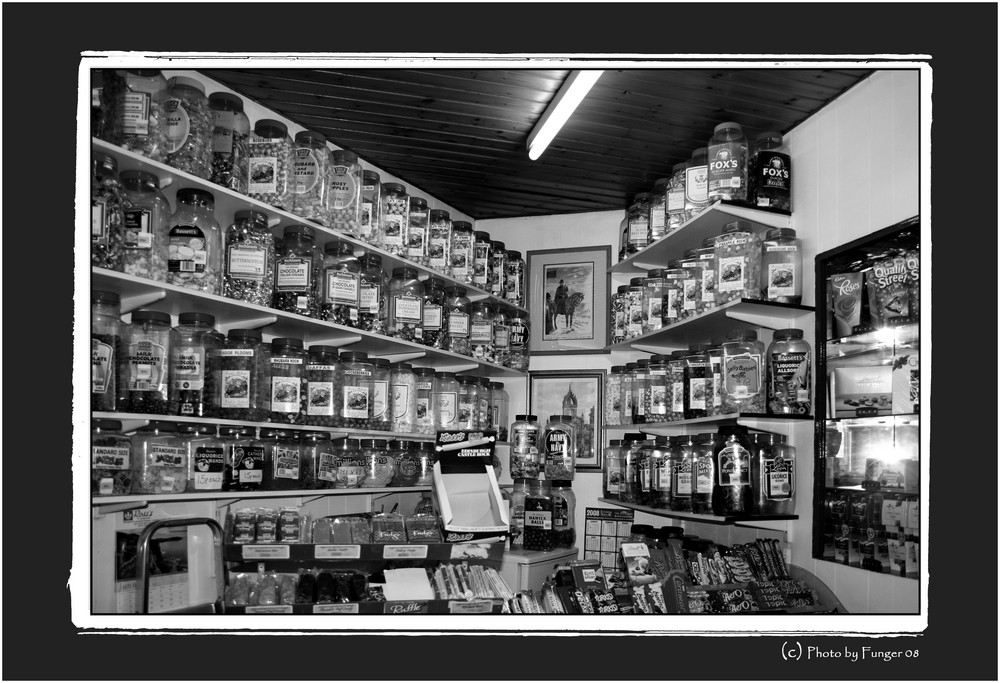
579, 394
568, 300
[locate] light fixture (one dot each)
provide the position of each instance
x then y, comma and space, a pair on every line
562, 106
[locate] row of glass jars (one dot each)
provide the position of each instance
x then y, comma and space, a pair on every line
146, 366
717, 378
548, 451
164, 457
728, 168
725, 473
737, 264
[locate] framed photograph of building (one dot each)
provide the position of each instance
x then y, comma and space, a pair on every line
579, 394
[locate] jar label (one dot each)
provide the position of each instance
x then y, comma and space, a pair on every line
458, 325
176, 125
366, 215
236, 353
675, 200
708, 285
326, 469
432, 317
716, 389
263, 174
742, 373
208, 468
286, 463
415, 241
102, 360
525, 440
408, 309
320, 398
790, 377
285, 394
538, 519
400, 400
223, 123
467, 414
646, 475
654, 312
726, 167
556, 442
518, 335
248, 464
780, 280
657, 219
696, 185
161, 455
370, 299
247, 262
110, 458
677, 402
560, 514
731, 273
658, 400
501, 337
614, 475
146, 366
135, 113
692, 292
673, 297
188, 367
704, 481
638, 229
447, 403
283, 360
306, 170
697, 399
137, 230
773, 173
292, 274
779, 475
734, 467
392, 229
661, 476
682, 479
344, 188
482, 333
379, 400
342, 287
236, 388
355, 403
98, 222
437, 249
188, 249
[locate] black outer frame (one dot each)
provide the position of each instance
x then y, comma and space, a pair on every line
600, 375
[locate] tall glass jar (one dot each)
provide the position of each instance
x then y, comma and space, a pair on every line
349, 464
641, 391
433, 331
382, 394
525, 460
691, 285
369, 227
660, 390
564, 513
789, 374
558, 446
288, 381
499, 405
482, 259
706, 255
539, 510
406, 304
628, 379
770, 174
136, 120
703, 465
481, 332
417, 228
631, 447
462, 251
612, 396
501, 336
159, 459
468, 403
249, 261
439, 241
345, 192
514, 282
673, 293
738, 263
634, 317
638, 223
728, 160
373, 294
394, 218
230, 142
652, 301
297, 272
732, 493
675, 378
283, 453
206, 460
145, 364
246, 464
193, 343
110, 466
356, 402
520, 333
676, 213
242, 377
424, 450
404, 399
781, 266
619, 313
307, 460
682, 472
647, 461
309, 184
318, 460
498, 270
446, 400
714, 352
270, 163
106, 350
458, 309
341, 283
146, 240
697, 382
108, 204
195, 251
772, 475
743, 368
696, 183
321, 386
612, 469
658, 209
188, 127
518, 494
424, 406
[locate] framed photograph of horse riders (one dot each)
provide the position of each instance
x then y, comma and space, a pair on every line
568, 296
579, 395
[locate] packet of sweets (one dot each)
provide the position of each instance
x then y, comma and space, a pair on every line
846, 302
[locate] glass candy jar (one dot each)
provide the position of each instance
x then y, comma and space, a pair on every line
196, 243
417, 227
357, 393
458, 309
424, 405
242, 377
406, 304
728, 157
404, 398
743, 370
249, 260
322, 385
159, 459
188, 128
781, 266
382, 394
106, 347
110, 467
341, 283
369, 228
481, 332
288, 380
309, 186
146, 239
498, 268
374, 294
394, 218
433, 331
108, 204
514, 282
145, 364
520, 333
297, 272
462, 251
193, 344
738, 263
230, 142
270, 163
439, 241
344, 202
558, 446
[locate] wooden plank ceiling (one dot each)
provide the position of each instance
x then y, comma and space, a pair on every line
461, 134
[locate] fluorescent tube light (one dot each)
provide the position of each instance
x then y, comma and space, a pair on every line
562, 106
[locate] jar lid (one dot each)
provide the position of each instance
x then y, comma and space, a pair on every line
400, 445
496, 385
707, 437
106, 160
615, 442
352, 444
193, 428
144, 314
275, 433
286, 343
338, 247
98, 296
144, 73
640, 197
635, 282
526, 418
225, 101
196, 318
789, 333
445, 375
678, 355
658, 358
562, 483
324, 349
440, 215
482, 236
699, 151
269, 128
345, 156
644, 529
158, 426
426, 446
779, 233
642, 363
716, 342
671, 531
139, 179
466, 379
726, 125
245, 334
186, 82
303, 230
690, 253
708, 242
250, 215
741, 335
633, 436
354, 357
513, 254
435, 282
680, 166
562, 418
664, 440
311, 138
739, 225
405, 273
322, 436
110, 425
191, 194
380, 362
403, 367
660, 182
380, 444
655, 273
769, 136
699, 348
370, 176
622, 289
456, 289
424, 372
617, 368
370, 259
418, 202
630, 366
394, 188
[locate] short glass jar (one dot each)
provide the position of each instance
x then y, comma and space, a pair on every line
322, 381
283, 452
192, 346
462, 252
270, 163
424, 421
350, 464
406, 304
187, 126
357, 396
404, 399
345, 192
341, 283
743, 368
374, 294
499, 406
145, 364
498, 268
107, 205
433, 331
136, 120
382, 394
417, 228
728, 162
696, 183
206, 458
249, 260
439, 241
242, 377
770, 174
481, 343
298, 267
146, 236
446, 401
309, 184
288, 381
407, 463
196, 243
772, 475
424, 451
781, 266
369, 228
110, 461
394, 218
458, 309
230, 142
159, 459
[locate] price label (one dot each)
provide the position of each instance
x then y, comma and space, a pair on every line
269, 609
405, 608
470, 607
211, 481
265, 552
404, 552
341, 608
338, 552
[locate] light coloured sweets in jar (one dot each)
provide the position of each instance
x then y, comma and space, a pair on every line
743, 372
187, 126
146, 242
345, 192
738, 263
107, 205
194, 257
270, 163
439, 241
249, 260
309, 184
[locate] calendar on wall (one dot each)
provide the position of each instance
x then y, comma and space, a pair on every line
605, 530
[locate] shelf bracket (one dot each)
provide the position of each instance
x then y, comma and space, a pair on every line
247, 323
131, 303
110, 508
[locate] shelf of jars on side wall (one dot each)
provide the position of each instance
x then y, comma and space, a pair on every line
133, 500
753, 421
228, 202
743, 520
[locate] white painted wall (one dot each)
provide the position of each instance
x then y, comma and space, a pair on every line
856, 170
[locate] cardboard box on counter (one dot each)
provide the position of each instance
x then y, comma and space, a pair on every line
466, 489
